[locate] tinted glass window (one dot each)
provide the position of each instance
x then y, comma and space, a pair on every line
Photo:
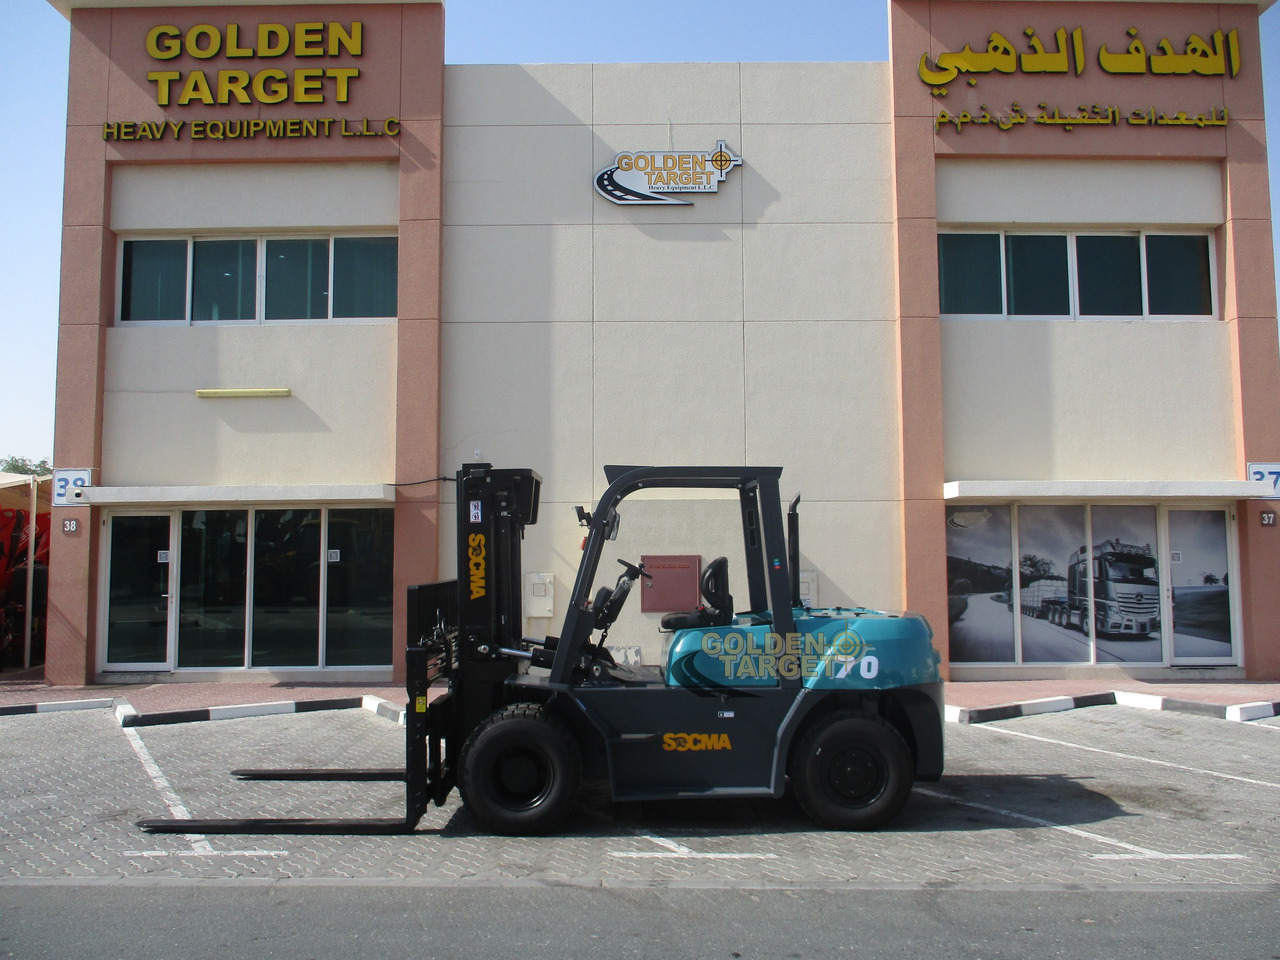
969, 273
364, 277
1038, 283
1110, 276
224, 279
211, 606
286, 588
155, 280
1178, 276
297, 279
358, 614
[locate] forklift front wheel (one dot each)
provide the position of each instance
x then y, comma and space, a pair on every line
852, 772
520, 770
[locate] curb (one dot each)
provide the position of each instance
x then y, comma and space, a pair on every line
384, 708
1143, 701
56, 706
129, 717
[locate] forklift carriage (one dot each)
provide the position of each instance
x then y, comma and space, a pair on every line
843, 703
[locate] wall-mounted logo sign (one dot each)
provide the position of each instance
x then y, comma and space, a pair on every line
651, 177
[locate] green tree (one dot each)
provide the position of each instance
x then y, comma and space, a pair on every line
34, 468
1035, 568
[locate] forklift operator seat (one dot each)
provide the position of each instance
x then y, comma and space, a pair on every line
717, 609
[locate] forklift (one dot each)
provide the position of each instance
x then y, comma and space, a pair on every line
842, 704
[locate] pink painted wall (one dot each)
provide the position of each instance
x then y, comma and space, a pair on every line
401, 76
932, 29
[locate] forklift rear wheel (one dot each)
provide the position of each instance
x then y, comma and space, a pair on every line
852, 772
520, 770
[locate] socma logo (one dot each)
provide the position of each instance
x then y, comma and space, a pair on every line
650, 177
695, 741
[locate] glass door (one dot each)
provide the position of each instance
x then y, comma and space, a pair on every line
1199, 561
138, 593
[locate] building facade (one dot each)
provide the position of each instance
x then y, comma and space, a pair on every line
1002, 307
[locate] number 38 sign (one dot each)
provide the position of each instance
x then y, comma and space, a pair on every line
66, 483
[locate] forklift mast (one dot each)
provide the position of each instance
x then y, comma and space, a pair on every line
494, 507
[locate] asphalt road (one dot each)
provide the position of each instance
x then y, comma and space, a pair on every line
1103, 832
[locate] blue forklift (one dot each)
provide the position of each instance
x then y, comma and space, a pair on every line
841, 705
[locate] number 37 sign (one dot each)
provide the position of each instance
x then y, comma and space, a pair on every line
1269, 472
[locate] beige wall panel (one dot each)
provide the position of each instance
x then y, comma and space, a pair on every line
666, 93
536, 272
1087, 401
817, 173
668, 272
668, 393
818, 271
822, 403
337, 427
815, 93
856, 548
254, 196
723, 206
521, 393
529, 174
537, 94
1098, 192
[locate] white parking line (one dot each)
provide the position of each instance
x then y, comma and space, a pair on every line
206, 853
672, 850
1130, 756
1136, 852
200, 846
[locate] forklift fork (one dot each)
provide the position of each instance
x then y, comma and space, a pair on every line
424, 776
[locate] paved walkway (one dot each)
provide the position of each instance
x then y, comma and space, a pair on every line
971, 696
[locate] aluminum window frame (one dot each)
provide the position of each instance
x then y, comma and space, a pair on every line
170, 663
260, 277
1073, 273
1168, 659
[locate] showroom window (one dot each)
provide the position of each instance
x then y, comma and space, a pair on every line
257, 279
262, 587
1092, 583
1078, 275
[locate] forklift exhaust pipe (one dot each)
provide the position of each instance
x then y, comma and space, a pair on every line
793, 549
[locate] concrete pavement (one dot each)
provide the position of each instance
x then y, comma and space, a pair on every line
969, 702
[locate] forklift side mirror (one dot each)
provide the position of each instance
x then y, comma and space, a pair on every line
611, 525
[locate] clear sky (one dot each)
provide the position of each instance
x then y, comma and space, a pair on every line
33, 104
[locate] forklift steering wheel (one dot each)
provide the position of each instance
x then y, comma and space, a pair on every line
635, 572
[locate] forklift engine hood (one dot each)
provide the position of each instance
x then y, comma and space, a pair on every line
832, 649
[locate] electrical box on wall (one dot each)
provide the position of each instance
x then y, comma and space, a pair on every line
674, 585
809, 588
539, 594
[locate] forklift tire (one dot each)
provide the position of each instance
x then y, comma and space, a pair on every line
852, 772
520, 771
